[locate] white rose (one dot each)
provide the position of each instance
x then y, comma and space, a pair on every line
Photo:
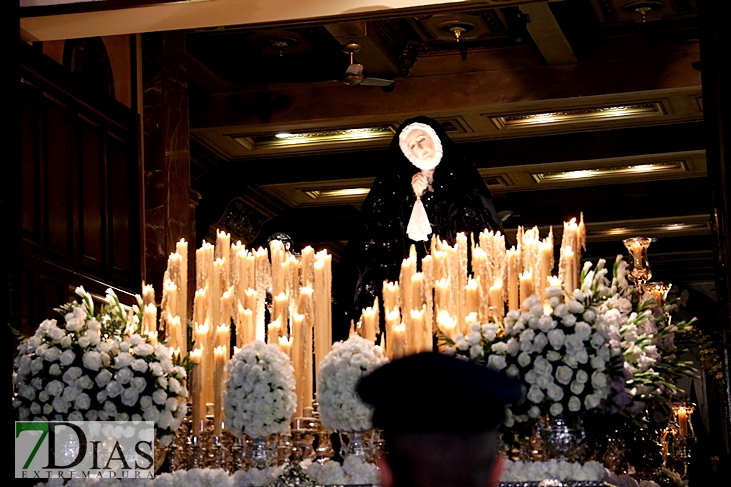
569, 320
113, 389
583, 330
543, 381
139, 365
156, 369
539, 342
575, 307
101, 396
66, 341
36, 365
36, 408
535, 394
92, 360
577, 387
546, 323
67, 358
555, 391
560, 310
598, 380
55, 333
174, 386
83, 401
512, 371
564, 374
534, 412
159, 396
71, 375
54, 388
110, 407
500, 348
496, 362
124, 375
542, 366
143, 349
556, 409
54, 370
574, 404
145, 402
70, 393
591, 401
47, 409
524, 359
582, 356
475, 351
597, 340
59, 405
512, 347
103, 378
84, 382
553, 356
556, 338
84, 341
589, 315
43, 396
570, 360
531, 376
582, 376
129, 397
52, 354
574, 342
598, 364
124, 359
139, 384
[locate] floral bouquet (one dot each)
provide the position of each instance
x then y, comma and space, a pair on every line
340, 407
258, 397
97, 367
648, 344
565, 352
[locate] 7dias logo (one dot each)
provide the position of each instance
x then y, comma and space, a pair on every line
84, 449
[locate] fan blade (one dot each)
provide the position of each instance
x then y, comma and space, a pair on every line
376, 82
353, 75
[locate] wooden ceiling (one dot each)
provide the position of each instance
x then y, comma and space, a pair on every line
564, 106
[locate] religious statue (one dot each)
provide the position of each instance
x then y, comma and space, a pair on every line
425, 188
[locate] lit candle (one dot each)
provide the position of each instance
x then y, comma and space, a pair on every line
526, 286
297, 353
219, 361
181, 249
398, 336
149, 318
569, 273
152, 337
308, 270
390, 296
148, 294
202, 333
217, 289
323, 311
273, 332
200, 309
285, 346
393, 319
683, 421
263, 279
196, 391
223, 339
472, 298
496, 300
447, 325
370, 322
417, 290
513, 257
280, 309
306, 307
545, 255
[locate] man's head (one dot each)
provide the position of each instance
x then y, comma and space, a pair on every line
440, 417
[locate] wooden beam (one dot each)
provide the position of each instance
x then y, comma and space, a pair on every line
218, 13
547, 34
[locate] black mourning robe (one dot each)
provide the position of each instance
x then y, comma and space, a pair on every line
459, 202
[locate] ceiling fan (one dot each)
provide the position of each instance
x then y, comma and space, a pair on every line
354, 74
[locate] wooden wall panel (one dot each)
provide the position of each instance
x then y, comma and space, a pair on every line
29, 164
56, 218
80, 184
91, 195
119, 200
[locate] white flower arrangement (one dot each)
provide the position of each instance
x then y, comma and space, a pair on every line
259, 398
552, 469
97, 367
340, 407
354, 471
648, 344
567, 355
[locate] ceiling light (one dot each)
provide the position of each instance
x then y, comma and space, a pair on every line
607, 172
335, 193
580, 115
322, 137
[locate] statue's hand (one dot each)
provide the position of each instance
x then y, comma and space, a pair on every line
419, 183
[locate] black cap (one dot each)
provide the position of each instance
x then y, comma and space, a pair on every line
434, 393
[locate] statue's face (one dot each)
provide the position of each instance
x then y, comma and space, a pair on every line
422, 148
